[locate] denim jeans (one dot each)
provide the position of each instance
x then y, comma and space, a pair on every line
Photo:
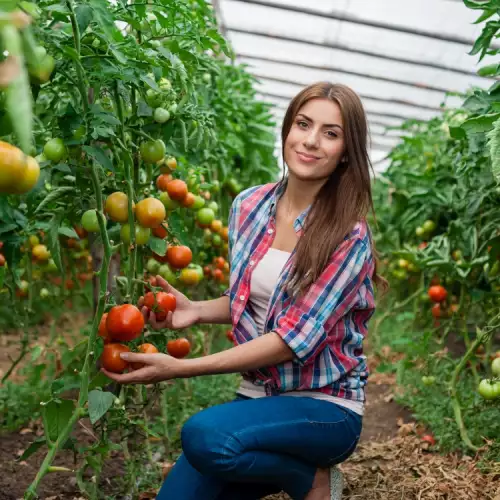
249, 448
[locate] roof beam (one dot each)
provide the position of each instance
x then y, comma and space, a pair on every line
356, 73
373, 24
353, 50
289, 82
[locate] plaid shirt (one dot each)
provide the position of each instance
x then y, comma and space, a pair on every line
324, 327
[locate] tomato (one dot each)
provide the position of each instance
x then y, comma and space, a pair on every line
429, 438
191, 275
456, 254
179, 256
216, 226
168, 203
213, 206
110, 358
116, 207
205, 216
423, 245
219, 262
153, 266
55, 150
80, 232
230, 335
437, 293
46, 65
495, 367
124, 322
217, 240
162, 181
199, 202
162, 304
403, 263
103, 330
188, 201
167, 274
152, 151
41, 253
29, 178
90, 222
177, 189
428, 380
150, 212
225, 233
2, 260
142, 234
161, 115
44, 293
13, 163
165, 84
144, 349
234, 187
160, 231
179, 348
171, 163
420, 232
436, 310
429, 226
218, 275
454, 308
489, 389
153, 98
215, 186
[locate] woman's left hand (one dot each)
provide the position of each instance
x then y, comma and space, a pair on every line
157, 368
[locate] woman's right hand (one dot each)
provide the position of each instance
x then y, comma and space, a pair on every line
185, 315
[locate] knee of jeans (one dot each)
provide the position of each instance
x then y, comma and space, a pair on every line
207, 446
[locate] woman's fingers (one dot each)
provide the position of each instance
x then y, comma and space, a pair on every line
159, 325
145, 313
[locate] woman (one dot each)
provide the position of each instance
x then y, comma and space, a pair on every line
302, 269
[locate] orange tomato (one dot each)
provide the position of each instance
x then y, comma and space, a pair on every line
162, 181
177, 189
216, 226
219, 262
179, 348
116, 207
160, 231
2, 260
110, 358
437, 293
179, 256
218, 275
41, 253
150, 212
144, 349
189, 200
225, 233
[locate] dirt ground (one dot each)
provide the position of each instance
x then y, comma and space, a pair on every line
392, 462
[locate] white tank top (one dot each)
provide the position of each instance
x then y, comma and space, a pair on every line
262, 284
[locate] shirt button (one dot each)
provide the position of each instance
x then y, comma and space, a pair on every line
242, 297
270, 231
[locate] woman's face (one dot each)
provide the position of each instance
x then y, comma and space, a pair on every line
315, 144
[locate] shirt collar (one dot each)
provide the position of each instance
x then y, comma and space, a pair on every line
277, 193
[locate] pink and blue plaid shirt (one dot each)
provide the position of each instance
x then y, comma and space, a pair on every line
324, 327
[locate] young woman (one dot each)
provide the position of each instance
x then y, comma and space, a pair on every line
301, 294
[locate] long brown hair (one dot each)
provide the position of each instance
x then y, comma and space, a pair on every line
344, 199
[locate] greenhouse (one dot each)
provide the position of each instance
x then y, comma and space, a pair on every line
249, 249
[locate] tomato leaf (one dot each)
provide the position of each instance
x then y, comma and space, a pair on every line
68, 231
56, 414
53, 240
99, 156
54, 195
84, 15
100, 380
99, 403
494, 147
158, 246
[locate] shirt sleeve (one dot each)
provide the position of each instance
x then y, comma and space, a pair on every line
302, 326
232, 229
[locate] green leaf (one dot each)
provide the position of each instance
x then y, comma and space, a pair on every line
56, 414
68, 231
119, 56
494, 148
480, 124
99, 156
54, 195
32, 448
158, 246
84, 15
489, 70
99, 403
100, 380
53, 240
103, 15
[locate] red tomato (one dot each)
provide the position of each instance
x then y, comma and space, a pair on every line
437, 293
219, 262
436, 310
218, 275
160, 231
162, 181
179, 348
124, 322
429, 438
144, 349
163, 303
111, 360
179, 256
2, 260
230, 335
103, 330
177, 189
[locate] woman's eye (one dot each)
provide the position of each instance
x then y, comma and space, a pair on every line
331, 134
302, 124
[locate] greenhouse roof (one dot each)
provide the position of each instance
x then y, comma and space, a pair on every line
403, 58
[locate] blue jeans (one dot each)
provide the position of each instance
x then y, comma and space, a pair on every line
249, 448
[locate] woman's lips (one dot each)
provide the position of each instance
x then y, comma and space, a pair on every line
306, 158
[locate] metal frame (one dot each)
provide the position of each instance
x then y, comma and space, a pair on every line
353, 50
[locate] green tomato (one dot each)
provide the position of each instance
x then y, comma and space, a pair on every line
457, 255
79, 133
216, 240
153, 266
207, 77
199, 202
142, 234
44, 293
205, 216
161, 115
429, 226
90, 222
233, 185
165, 84
167, 201
152, 151
55, 150
420, 232
495, 269
488, 389
173, 109
167, 274
400, 274
213, 206
428, 380
153, 98
215, 186
155, 43
495, 367
51, 266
